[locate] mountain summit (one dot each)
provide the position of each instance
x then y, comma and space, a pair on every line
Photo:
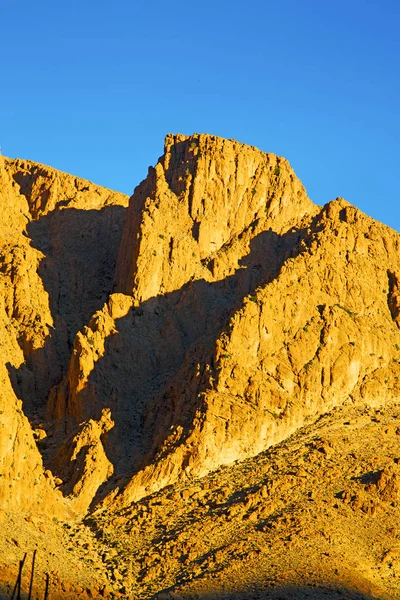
148, 343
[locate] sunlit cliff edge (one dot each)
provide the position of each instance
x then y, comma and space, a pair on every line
148, 342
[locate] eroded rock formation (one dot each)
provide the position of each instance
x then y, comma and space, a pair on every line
223, 312
59, 237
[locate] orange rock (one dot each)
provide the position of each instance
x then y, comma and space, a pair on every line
236, 312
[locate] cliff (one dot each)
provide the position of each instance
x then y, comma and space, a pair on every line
204, 373
58, 242
241, 311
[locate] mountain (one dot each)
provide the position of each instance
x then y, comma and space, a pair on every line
211, 350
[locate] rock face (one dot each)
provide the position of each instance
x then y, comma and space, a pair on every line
59, 237
319, 510
240, 312
84, 462
315, 337
223, 312
198, 210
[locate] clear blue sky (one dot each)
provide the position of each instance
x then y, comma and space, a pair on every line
92, 87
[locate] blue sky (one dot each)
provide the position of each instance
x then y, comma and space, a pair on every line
93, 87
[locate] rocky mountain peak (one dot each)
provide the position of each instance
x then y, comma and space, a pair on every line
218, 312
202, 194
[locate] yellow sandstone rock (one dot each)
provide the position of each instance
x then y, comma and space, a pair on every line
56, 264
152, 345
243, 312
235, 312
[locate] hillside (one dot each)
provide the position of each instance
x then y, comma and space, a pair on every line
200, 384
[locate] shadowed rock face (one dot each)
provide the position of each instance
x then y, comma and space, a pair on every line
239, 313
280, 593
59, 237
149, 345
223, 312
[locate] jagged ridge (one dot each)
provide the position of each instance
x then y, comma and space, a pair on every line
239, 315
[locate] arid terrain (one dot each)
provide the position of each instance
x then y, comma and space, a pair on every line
199, 385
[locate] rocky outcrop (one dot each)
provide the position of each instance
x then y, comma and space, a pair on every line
24, 483
316, 337
83, 463
45, 190
196, 213
178, 278
59, 237
240, 313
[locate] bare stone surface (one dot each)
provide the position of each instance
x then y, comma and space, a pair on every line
199, 388
54, 272
242, 311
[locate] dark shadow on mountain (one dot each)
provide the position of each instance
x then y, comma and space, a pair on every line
163, 335
278, 592
140, 367
371, 477
80, 248
271, 592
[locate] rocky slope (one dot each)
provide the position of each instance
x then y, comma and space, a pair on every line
58, 241
146, 344
239, 314
315, 517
